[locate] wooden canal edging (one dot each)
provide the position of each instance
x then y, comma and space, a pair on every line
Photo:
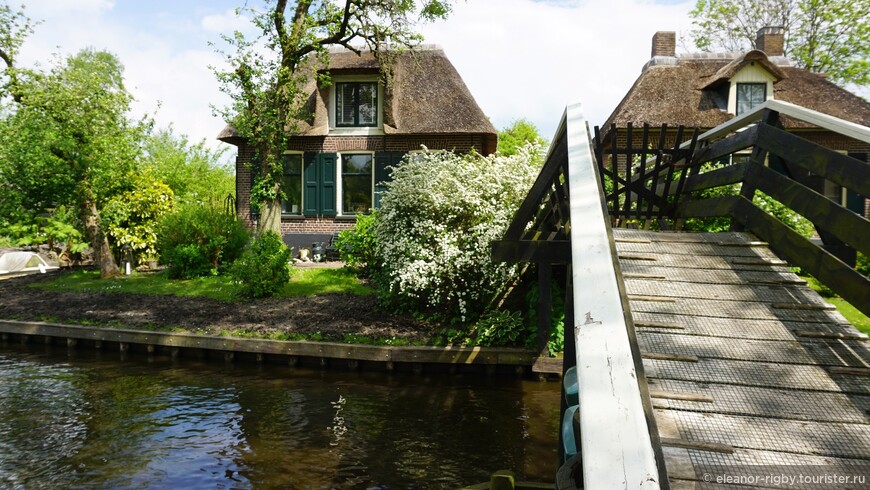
302, 353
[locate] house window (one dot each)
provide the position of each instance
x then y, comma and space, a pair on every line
750, 95
291, 184
356, 104
356, 183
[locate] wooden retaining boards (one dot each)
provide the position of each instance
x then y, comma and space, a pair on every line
483, 356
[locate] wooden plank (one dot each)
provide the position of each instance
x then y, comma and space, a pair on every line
844, 224
832, 272
812, 334
738, 141
657, 173
836, 167
732, 174
551, 169
547, 365
615, 433
450, 355
678, 395
698, 445
544, 305
661, 356
552, 251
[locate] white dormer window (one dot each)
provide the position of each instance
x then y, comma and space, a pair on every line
356, 104
749, 87
750, 95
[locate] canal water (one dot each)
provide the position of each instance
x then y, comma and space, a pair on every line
90, 419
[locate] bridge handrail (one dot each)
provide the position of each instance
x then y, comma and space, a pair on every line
616, 441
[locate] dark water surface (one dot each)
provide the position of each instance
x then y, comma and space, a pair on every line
90, 420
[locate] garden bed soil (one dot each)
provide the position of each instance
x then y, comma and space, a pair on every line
331, 316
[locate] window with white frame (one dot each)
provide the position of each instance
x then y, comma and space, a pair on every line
356, 182
291, 184
356, 104
750, 95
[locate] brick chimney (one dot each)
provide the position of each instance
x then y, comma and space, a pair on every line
771, 40
664, 43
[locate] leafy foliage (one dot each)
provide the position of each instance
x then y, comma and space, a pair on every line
132, 217
520, 133
500, 328
67, 139
58, 230
266, 85
200, 240
264, 270
194, 172
357, 246
437, 220
823, 36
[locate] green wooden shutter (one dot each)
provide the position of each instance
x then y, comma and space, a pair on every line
311, 180
327, 183
855, 201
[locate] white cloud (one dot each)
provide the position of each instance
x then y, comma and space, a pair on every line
520, 58
226, 22
530, 59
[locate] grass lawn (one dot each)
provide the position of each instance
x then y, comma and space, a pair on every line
855, 317
304, 282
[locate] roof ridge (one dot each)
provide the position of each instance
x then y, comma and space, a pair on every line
365, 49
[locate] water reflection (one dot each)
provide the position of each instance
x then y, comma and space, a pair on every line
93, 421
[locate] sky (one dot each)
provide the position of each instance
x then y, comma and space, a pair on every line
520, 58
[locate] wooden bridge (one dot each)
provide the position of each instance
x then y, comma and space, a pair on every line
700, 360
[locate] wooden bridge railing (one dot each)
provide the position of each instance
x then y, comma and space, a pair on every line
661, 186
563, 222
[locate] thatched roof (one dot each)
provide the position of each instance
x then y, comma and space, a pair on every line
729, 70
426, 96
684, 91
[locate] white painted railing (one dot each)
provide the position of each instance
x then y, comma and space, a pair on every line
616, 446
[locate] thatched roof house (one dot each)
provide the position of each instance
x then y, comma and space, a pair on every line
358, 127
705, 90
700, 89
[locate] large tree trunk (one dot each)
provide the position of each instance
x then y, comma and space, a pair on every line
270, 216
99, 241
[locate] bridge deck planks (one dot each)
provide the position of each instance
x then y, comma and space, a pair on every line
763, 373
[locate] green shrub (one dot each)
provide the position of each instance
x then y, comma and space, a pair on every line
59, 231
200, 240
264, 269
132, 217
357, 246
501, 328
862, 265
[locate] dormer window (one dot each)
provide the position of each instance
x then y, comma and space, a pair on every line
750, 95
356, 104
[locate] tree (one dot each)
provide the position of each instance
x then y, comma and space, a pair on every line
266, 74
194, 172
518, 134
67, 138
823, 36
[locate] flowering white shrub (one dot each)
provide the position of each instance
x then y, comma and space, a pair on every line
437, 220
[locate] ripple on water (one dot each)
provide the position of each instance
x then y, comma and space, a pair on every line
95, 422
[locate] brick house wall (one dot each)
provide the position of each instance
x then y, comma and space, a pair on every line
337, 144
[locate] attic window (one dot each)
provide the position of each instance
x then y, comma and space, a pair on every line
356, 104
750, 95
